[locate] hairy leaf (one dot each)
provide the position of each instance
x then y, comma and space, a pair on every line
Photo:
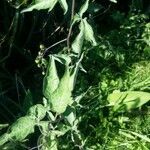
61, 97
22, 128
37, 111
51, 80
19, 130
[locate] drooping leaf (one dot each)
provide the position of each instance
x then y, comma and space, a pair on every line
37, 111
64, 5
61, 97
78, 42
41, 4
125, 101
22, 128
89, 34
19, 130
83, 8
51, 80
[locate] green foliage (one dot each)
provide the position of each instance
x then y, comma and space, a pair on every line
125, 101
41, 4
94, 90
19, 130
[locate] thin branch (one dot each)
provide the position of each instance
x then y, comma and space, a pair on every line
54, 45
70, 29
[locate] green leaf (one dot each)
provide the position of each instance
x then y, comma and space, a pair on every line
143, 137
48, 142
4, 138
126, 134
19, 130
70, 115
61, 97
83, 8
62, 58
37, 111
74, 74
64, 5
22, 128
78, 42
125, 101
41, 4
51, 80
44, 126
3, 126
89, 34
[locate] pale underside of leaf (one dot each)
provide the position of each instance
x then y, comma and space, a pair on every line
41, 4
78, 42
51, 79
89, 34
61, 97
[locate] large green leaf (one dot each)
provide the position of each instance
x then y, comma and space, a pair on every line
78, 42
125, 101
51, 80
89, 34
41, 4
61, 97
19, 130
83, 8
22, 128
64, 5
